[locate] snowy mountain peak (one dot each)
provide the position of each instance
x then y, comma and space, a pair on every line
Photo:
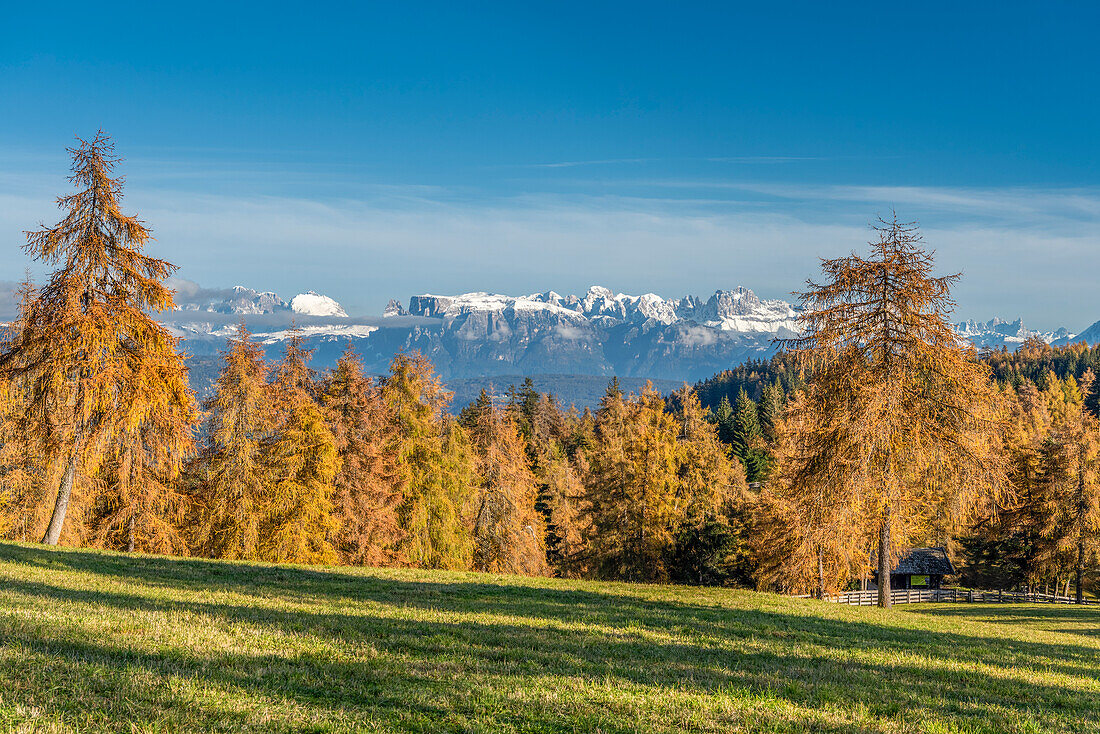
314, 304
738, 310
997, 333
394, 308
243, 301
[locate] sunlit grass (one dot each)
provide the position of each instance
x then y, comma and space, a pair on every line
95, 641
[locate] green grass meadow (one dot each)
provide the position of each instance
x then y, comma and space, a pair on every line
93, 641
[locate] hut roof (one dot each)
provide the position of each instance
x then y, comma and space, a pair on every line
925, 561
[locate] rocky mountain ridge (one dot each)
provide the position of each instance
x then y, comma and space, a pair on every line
995, 333
736, 310
476, 335
483, 334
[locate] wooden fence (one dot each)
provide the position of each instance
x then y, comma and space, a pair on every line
914, 596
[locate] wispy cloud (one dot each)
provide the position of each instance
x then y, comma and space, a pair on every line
1009, 202
767, 158
575, 164
707, 159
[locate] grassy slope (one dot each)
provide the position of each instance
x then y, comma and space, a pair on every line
97, 641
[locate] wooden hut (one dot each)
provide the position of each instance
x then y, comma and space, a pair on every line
920, 568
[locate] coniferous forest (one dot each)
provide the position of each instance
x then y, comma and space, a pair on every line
873, 431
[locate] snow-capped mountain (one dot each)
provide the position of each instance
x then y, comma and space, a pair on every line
483, 335
314, 304
205, 318
242, 301
394, 308
236, 300
1090, 336
738, 310
995, 333
599, 333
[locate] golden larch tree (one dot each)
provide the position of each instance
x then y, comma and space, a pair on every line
436, 465
369, 487
92, 362
809, 537
710, 542
1070, 460
900, 407
301, 463
232, 499
24, 501
508, 531
633, 487
1011, 534
566, 520
710, 482
140, 506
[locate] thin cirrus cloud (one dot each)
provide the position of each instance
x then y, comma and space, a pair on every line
1026, 252
1051, 205
575, 164
719, 159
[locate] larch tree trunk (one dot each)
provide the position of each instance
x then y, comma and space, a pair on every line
1082, 508
61, 505
820, 573
884, 560
1080, 570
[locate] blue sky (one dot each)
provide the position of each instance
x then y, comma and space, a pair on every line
374, 150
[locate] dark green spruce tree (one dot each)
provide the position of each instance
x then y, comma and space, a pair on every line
772, 404
723, 417
747, 441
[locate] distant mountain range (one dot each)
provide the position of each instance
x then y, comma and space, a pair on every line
242, 301
483, 338
479, 334
995, 334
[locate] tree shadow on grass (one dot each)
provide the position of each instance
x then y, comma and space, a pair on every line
401, 653
128, 688
1068, 618
435, 671
177, 572
616, 604
626, 615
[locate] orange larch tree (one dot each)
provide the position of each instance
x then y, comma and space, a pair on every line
898, 416
1070, 459
91, 361
509, 533
436, 465
301, 463
231, 497
369, 487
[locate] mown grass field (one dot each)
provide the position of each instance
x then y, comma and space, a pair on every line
95, 641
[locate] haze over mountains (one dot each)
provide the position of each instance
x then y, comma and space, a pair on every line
476, 339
